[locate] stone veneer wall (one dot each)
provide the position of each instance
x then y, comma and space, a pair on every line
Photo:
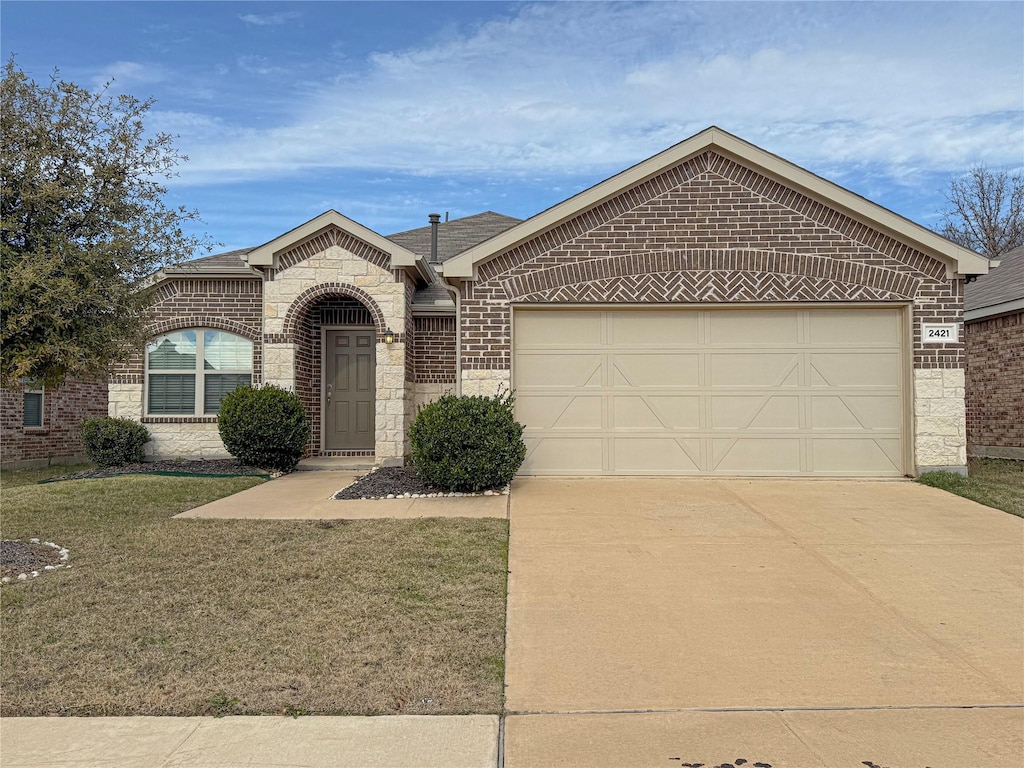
333, 265
995, 386
711, 230
59, 439
228, 304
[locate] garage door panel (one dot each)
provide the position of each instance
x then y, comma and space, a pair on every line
843, 412
571, 371
656, 370
754, 455
802, 391
855, 326
751, 329
753, 370
575, 328
855, 455
559, 411
563, 455
658, 455
636, 329
633, 412
755, 412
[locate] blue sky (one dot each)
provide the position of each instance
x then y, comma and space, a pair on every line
388, 111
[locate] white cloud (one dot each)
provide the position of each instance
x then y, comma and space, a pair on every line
269, 19
563, 88
128, 73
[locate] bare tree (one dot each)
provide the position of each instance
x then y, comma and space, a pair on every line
985, 211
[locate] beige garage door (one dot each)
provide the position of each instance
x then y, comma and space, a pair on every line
727, 391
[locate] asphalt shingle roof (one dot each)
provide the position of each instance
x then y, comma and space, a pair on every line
455, 236
230, 261
1003, 284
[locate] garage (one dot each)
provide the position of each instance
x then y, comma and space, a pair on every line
770, 391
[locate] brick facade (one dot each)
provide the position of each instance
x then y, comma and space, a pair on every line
58, 440
434, 350
995, 386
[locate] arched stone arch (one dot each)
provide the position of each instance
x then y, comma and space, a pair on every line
310, 296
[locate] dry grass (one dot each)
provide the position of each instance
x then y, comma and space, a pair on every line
995, 483
183, 617
13, 478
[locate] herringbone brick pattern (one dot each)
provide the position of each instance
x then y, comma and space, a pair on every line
332, 236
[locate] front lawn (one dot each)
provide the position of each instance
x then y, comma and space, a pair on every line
995, 483
159, 616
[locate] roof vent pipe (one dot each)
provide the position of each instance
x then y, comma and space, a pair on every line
435, 222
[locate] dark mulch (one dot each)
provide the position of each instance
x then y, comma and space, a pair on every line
24, 557
211, 467
385, 481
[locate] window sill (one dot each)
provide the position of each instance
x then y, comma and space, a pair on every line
37, 430
179, 419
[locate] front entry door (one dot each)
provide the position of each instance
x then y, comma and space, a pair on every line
349, 391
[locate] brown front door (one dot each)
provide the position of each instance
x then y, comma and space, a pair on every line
349, 362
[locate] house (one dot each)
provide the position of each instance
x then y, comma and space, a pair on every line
714, 309
994, 332
40, 426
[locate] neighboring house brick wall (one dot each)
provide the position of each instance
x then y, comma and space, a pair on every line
229, 304
59, 439
995, 386
711, 230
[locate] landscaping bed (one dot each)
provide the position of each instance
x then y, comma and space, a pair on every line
395, 483
162, 616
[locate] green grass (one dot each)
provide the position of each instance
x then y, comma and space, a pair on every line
995, 483
13, 478
162, 616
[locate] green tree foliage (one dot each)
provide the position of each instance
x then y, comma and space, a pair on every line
83, 225
985, 211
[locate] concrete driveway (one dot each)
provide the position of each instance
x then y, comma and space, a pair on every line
787, 623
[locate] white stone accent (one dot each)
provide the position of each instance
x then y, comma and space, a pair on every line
124, 401
940, 418
279, 365
171, 441
486, 382
427, 392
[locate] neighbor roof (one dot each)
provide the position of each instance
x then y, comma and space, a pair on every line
957, 258
1001, 290
455, 236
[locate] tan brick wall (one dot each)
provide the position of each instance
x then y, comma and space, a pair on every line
995, 386
59, 438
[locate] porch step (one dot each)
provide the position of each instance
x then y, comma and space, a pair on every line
336, 464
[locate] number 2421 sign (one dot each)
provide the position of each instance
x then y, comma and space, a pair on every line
939, 333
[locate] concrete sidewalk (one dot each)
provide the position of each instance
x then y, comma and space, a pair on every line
307, 496
469, 741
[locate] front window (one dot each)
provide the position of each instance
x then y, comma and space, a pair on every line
189, 372
33, 399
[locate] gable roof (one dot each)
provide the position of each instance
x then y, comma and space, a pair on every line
957, 258
1001, 290
455, 236
227, 263
265, 255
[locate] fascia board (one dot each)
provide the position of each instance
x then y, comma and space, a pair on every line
957, 259
995, 309
264, 255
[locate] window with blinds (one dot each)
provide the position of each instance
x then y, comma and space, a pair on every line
189, 372
33, 397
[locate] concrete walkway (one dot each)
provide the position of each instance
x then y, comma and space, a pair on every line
253, 742
793, 623
307, 496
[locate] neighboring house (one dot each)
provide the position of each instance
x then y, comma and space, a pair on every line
994, 331
712, 310
39, 426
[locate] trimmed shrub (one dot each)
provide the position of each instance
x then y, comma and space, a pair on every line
264, 427
114, 442
467, 443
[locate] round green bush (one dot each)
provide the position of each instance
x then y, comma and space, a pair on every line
467, 443
264, 427
114, 442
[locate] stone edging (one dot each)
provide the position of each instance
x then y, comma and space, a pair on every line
64, 555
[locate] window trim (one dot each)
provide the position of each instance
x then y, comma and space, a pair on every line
33, 388
199, 371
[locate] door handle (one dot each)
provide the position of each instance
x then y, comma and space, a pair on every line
328, 393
